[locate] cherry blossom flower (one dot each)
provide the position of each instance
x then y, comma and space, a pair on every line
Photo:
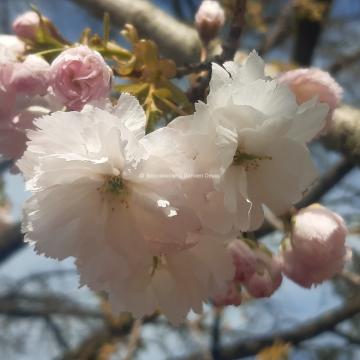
267, 278
316, 250
88, 175
23, 96
309, 83
255, 268
27, 78
269, 163
244, 259
232, 296
80, 76
198, 162
174, 283
11, 45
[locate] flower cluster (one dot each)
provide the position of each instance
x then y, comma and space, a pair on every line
156, 220
31, 87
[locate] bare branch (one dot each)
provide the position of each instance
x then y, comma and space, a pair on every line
231, 44
280, 31
27, 306
91, 346
348, 337
58, 334
229, 48
344, 134
330, 179
323, 323
344, 62
10, 242
175, 39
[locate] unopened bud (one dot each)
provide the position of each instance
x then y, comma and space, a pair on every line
209, 19
26, 25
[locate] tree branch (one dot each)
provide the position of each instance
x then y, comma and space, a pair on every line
344, 134
231, 43
91, 346
26, 306
325, 183
323, 323
10, 242
294, 336
175, 39
229, 48
280, 32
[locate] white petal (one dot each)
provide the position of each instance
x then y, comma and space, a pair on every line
309, 121
131, 114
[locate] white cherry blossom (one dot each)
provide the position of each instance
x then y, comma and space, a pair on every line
132, 234
268, 163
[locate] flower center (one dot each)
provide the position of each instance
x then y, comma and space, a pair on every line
248, 161
158, 262
114, 185
114, 190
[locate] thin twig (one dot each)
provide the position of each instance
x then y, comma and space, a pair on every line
280, 31
329, 180
231, 44
344, 62
134, 339
229, 48
215, 334
325, 322
58, 334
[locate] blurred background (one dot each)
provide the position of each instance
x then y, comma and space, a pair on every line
43, 314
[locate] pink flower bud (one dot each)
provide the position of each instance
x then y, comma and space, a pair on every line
30, 77
12, 45
267, 278
79, 76
26, 25
244, 260
317, 250
231, 297
307, 83
209, 18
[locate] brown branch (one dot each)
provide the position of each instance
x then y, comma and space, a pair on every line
344, 62
229, 48
195, 68
310, 329
351, 278
344, 134
231, 44
317, 326
57, 333
329, 180
348, 337
308, 32
175, 39
26, 306
10, 242
280, 31
91, 346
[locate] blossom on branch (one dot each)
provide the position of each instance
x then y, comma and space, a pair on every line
80, 76
316, 250
23, 96
262, 130
89, 175
314, 83
209, 19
